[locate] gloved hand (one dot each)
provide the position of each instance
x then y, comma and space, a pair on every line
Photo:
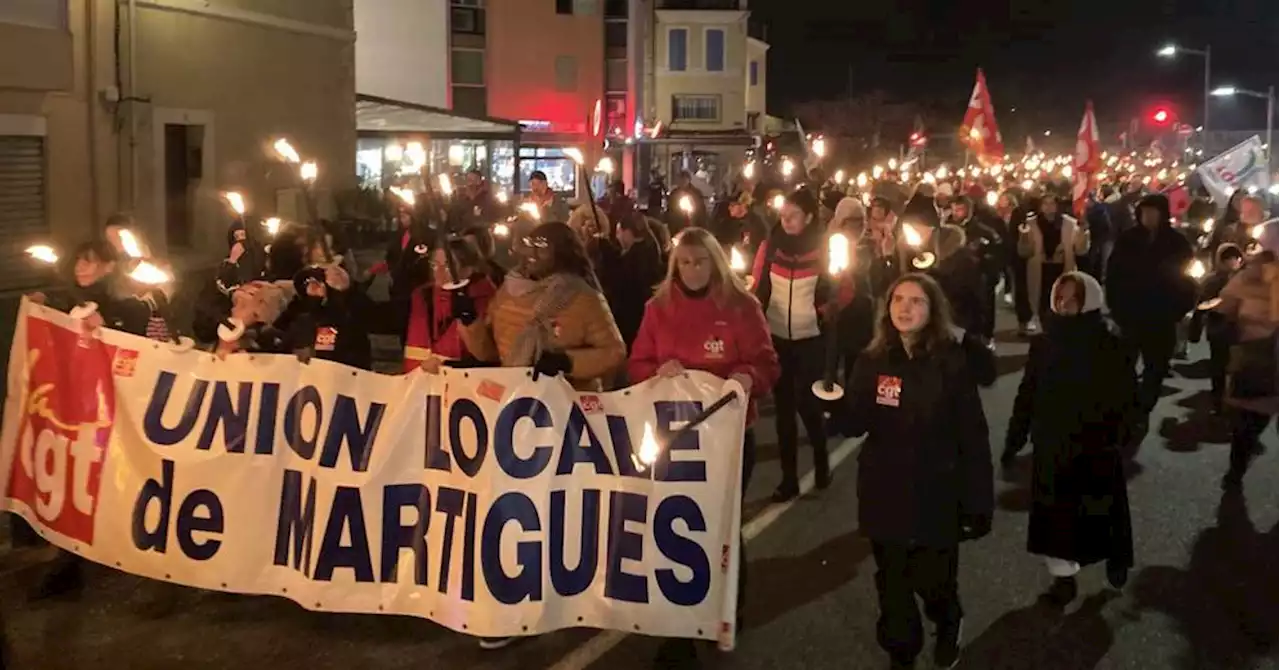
552, 363
463, 307
974, 526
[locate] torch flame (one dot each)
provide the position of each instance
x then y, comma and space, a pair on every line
406, 195
839, 177
778, 201
737, 262
862, 180
649, 448
837, 254
1258, 231
1196, 271
236, 201
877, 172
686, 205
502, 197
146, 273
605, 165
893, 164
446, 184
286, 151
272, 225
1066, 171
43, 253
820, 147
912, 236
129, 244
501, 230
749, 170
532, 210
942, 172
992, 198
309, 171
788, 167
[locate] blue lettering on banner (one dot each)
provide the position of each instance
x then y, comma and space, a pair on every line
450, 502
397, 536
296, 522
504, 441
436, 457
666, 469
266, 440
568, 582
572, 450
307, 396
463, 409
347, 514
469, 549
624, 544
153, 421
188, 524
344, 426
527, 584
681, 550
620, 436
234, 417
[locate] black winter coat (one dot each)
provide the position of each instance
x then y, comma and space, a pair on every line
1147, 282
1074, 399
926, 462
628, 280
960, 276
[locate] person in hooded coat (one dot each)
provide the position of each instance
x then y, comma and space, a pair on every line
1149, 291
1076, 390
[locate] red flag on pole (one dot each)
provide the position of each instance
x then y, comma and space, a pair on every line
1087, 160
979, 130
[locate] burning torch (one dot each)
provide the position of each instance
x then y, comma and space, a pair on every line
922, 260
576, 155
838, 258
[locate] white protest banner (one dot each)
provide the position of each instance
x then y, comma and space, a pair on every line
480, 499
1240, 167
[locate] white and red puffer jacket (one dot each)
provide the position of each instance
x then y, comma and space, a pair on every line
792, 283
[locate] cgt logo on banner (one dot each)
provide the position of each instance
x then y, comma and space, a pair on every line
480, 499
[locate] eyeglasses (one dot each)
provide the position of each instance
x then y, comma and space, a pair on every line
536, 242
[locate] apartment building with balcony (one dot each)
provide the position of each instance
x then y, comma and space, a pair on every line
155, 107
706, 79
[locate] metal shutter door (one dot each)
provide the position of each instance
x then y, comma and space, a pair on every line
22, 211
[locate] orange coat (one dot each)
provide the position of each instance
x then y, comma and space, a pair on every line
584, 330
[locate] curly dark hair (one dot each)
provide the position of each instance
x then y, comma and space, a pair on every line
568, 254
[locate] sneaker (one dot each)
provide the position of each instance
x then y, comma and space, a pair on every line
785, 492
946, 651
1033, 326
1008, 300
1117, 575
1062, 592
495, 642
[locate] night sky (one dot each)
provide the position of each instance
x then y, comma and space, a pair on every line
1044, 57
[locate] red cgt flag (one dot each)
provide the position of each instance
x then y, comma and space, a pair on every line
1087, 160
979, 130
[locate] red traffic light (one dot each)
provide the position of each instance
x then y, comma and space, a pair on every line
1160, 116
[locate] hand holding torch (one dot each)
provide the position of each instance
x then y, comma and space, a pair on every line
838, 261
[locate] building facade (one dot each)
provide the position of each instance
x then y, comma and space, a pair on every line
155, 107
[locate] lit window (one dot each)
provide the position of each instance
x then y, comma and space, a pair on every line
677, 49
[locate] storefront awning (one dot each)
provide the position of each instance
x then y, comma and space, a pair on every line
375, 116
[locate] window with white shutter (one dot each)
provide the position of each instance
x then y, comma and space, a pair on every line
23, 220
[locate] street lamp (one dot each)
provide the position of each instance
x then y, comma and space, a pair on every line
1269, 96
1171, 50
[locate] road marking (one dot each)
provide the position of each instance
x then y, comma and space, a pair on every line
600, 644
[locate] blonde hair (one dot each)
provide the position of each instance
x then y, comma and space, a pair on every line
725, 285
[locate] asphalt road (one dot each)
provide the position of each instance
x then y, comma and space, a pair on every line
1202, 597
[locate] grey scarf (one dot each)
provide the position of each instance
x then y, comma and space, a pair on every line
555, 293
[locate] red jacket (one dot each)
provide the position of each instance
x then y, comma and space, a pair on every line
703, 335
435, 331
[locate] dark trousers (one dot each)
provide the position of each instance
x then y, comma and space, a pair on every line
1219, 354
1021, 301
1154, 343
1246, 428
801, 362
902, 573
989, 307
